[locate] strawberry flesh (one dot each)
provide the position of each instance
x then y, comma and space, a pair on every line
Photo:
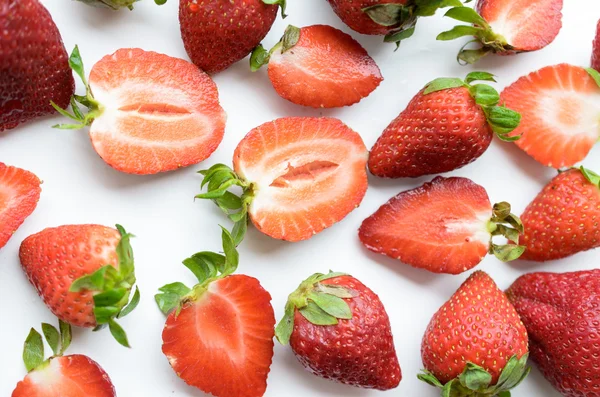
441, 226
326, 68
222, 343
66, 376
560, 110
19, 194
306, 173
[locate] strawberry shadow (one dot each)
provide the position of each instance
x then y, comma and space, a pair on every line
526, 163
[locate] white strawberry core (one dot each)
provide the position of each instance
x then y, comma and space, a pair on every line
570, 113
476, 228
48, 378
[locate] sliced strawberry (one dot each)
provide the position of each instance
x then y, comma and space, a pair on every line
149, 112
527, 25
596, 50
300, 175
444, 226
19, 194
560, 109
321, 67
68, 376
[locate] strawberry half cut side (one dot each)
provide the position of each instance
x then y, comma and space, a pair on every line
560, 113
19, 194
60, 376
299, 176
444, 226
319, 66
218, 336
147, 112
505, 26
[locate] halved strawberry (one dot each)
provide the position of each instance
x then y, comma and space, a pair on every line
319, 66
596, 49
444, 226
219, 334
60, 376
560, 109
19, 194
506, 27
149, 112
299, 176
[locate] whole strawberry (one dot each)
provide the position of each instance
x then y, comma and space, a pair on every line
339, 330
33, 63
475, 345
596, 50
447, 125
561, 312
563, 219
84, 274
216, 34
74, 375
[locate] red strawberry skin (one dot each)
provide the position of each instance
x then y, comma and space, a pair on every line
478, 325
359, 351
217, 34
19, 194
55, 257
352, 14
437, 133
67, 376
223, 342
596, 51
326, 68
34, 67
561, 312
440, 227
563, 219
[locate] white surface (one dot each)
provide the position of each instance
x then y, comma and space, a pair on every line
160, 210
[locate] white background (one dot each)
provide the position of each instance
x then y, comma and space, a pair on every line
80, 188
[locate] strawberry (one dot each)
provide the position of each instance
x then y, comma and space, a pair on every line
319, 66
596, 50
506, 27
444, 226
561, 312
396, 19
299, 176
475, 345
447, 125
563, 219
60, 376
19, 194
149, 112
84, 274
559, 108
219, 334
339, 330
216, 34
33, 63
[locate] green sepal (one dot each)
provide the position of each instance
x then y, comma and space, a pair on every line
88, 101
207, 267
112, 286
475, 381
281, 3
33, 348
590, 176
506, 224
112, 4
320, 304
218, 179
118, 333
595, 75
259, 57
488, 40
52, 337
160, 2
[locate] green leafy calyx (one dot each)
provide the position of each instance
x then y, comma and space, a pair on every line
218, 179
88, 101
402, 18
260, 56
502, 120
504, 223
475, 381
111, 4
320, 304
590, 176
207, 267
112, 287
489, 42
33, 349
